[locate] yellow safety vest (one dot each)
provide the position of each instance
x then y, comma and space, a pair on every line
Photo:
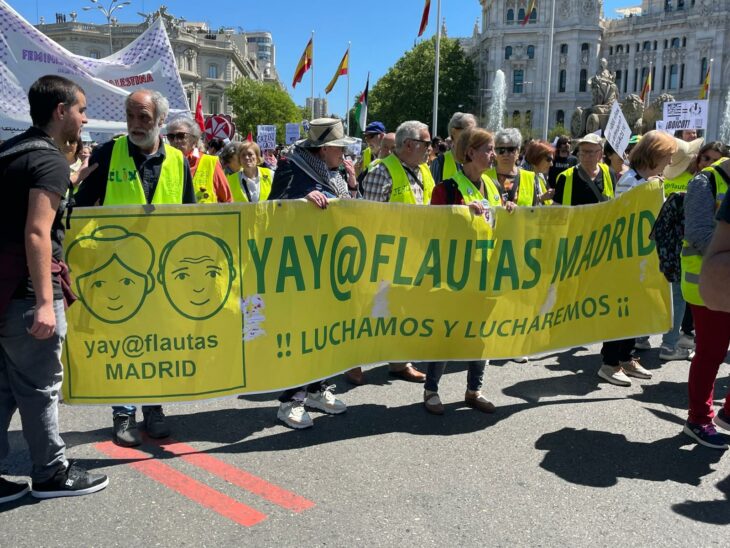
367, 157
265, 180
401, 190
691, 258
123, 186
203, 180
471, 193
527, 181
678, 184
568, 189
449, 168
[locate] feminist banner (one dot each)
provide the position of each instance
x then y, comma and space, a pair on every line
191, 302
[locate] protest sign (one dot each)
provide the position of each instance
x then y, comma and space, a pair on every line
292, 133
618, 131
266, 137
685, 115
192, 302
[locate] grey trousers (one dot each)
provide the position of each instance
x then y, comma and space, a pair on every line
30, 378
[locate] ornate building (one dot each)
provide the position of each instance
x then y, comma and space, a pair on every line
678, 38
209, 61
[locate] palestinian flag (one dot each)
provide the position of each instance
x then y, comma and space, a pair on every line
361, 109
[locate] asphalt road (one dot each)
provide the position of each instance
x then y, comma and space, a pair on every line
566, 460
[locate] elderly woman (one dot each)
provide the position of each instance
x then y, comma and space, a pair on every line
209, 180
444, 166
519, 187
312, 171
251, 182
540, 155
475, 151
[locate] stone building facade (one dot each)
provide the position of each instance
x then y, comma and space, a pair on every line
678, 37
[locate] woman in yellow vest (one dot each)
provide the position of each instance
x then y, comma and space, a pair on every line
252, 183
541, 155
475, 151
705, 193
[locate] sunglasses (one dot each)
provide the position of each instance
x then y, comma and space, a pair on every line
421, 141
550, 159
505, 150
173, 136
706, 158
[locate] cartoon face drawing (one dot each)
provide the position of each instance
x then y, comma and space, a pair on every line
113, 272
196, 271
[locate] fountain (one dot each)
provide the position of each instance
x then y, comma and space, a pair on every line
725, 125
496, 107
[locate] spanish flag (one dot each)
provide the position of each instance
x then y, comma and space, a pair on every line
424, 17
647, 86
341, 71
531, 7
305, 63
706, 85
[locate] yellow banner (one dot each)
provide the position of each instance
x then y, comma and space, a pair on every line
192, 302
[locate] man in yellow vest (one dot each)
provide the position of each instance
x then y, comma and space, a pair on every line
138, 168
445, 165
591, 182
402, 177
209, 179
373, 137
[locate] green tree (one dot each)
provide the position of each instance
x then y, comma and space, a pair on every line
557, 131
406, 90
259, 103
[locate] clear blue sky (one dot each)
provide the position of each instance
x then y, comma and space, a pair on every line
379, 35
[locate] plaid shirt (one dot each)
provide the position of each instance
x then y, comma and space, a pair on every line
377, 184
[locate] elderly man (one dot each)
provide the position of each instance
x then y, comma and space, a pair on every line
591, 182
445, 166
161, 175
403, 177
32, 318
209, 180
373, 137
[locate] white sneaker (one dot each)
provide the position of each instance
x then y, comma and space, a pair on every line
642, 344
686, 341
633, 368
325, 400
678, 353
522, 359
614, 375
292, 413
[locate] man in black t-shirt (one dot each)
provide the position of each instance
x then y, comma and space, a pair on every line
32, 319
562, 160
715, 276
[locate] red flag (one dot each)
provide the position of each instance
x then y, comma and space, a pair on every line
530, 9
424, 17
199, 114
249, 137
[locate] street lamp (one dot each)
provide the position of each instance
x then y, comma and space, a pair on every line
114, 5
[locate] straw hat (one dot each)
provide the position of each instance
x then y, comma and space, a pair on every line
326, 132
682, 158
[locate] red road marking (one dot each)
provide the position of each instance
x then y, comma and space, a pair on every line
186, 486
249, 482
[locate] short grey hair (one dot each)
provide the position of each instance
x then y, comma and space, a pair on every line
462, 120
186, 122
408, 130
162, 106
508, 137
229, 151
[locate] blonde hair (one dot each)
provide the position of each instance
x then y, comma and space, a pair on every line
246, 146
652, 146
473, 137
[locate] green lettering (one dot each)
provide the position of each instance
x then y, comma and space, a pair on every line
564, 266
431, 264
289, 266
316, 255
618, 230
532, 263
451, 280
398, 277
506, 266
259, 262
378, 257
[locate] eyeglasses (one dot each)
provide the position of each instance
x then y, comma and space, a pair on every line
180, 135
505, 150
706, 158
422, 141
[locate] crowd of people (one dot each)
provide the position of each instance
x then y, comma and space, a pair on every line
160, 161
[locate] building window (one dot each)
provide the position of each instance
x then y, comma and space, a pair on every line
528, 119
508, 52
681, 76
673, 77
636, 79
675, 43
703, 70
666, 44
610, 50
684, 41
212, 70
561, 81
510, 16
530, 52
626, 80
667, 5
637, 46
619, 49
583, 80
518, 78
563, 49
646, 46
533, 15
213, 105
664, 77
654, 44
653, 78
584, 47
190, 100
680, 5
516, 122
521, 15
619, 78
560, 117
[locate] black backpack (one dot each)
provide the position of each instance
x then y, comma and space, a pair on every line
668, 233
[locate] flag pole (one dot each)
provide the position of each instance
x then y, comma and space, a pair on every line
311, 93
707, 96
434, 127
347, 99
546, 116
651, 80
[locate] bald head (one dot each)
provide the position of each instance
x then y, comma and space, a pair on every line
387, 145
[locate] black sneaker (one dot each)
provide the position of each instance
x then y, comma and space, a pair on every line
722, 420
125, 430
74, 481
155, 423
705, 434
10, 490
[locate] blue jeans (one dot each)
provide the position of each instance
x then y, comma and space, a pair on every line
474, 375
30, 378
671, 337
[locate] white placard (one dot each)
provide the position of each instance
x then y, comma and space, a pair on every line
292, 133
266, 137
617, 131
685, 115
